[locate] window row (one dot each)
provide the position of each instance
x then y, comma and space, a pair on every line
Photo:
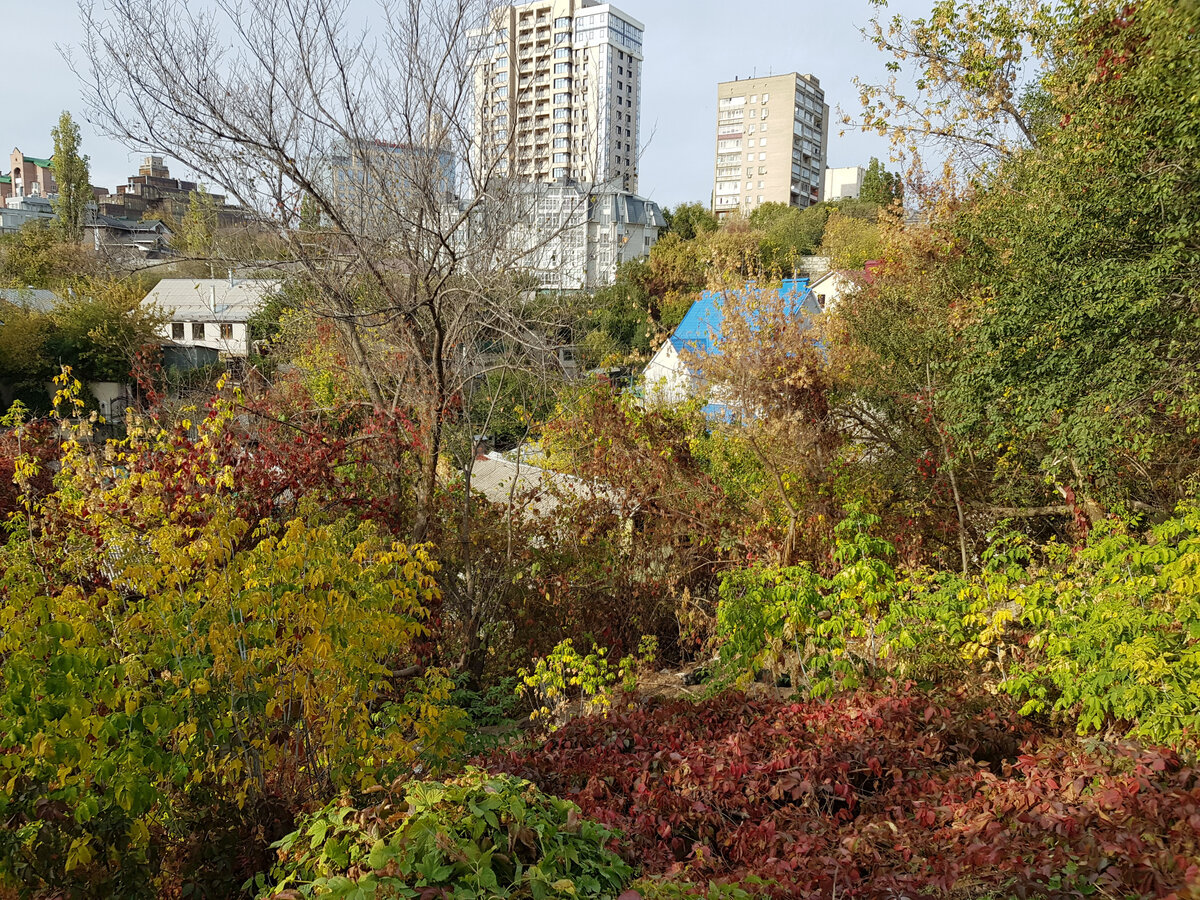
224, 330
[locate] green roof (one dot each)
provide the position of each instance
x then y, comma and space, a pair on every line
44, 163
5, 179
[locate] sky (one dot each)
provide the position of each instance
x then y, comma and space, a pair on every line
690, 46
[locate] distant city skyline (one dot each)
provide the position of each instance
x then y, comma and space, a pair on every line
690, 46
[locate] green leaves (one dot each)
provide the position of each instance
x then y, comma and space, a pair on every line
478, 836
821, 632
154, 653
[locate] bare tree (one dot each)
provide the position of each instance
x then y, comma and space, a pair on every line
360, 145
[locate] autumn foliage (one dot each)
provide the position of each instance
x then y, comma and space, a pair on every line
892, 793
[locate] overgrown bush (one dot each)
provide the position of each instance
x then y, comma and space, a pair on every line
475, 836
1115, 631
163, 660
823, 633
877, 794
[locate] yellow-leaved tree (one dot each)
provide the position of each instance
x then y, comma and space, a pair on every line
165, 663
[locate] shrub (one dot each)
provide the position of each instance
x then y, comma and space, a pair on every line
869, 795
163, 660
477, 835
822, 632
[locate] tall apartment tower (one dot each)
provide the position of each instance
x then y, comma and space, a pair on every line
772, 139
559, 92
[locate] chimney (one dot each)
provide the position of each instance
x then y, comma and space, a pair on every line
231, 277
212, 302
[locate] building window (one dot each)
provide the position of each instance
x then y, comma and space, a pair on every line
563, 53
177, 331
762, 142
765, 98
226, 331
197, 331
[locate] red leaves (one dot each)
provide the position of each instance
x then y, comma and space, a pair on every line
891, 792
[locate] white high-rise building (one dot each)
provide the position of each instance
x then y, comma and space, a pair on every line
559, 92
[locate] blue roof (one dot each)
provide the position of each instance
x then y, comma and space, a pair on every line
701, 325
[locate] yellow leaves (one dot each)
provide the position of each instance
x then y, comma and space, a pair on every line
139, 833
79, 854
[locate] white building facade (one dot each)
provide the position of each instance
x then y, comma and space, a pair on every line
576, 237
559, 92
211, 313
844, 183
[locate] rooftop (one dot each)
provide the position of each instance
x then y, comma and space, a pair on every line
495, 476
36, 299
211, 299
701, 325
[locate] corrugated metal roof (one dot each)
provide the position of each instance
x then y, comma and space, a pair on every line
36, 299
37, 161
701, 325
211, 299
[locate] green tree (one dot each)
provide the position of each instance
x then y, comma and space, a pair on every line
71, 173
100, 326
881, 186
689, 220
35, 257
850, 242
787, 233
197, 236
22, 343
1081, 262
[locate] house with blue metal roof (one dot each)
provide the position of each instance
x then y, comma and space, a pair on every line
671, 375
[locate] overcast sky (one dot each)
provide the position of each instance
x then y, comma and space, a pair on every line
690, 46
